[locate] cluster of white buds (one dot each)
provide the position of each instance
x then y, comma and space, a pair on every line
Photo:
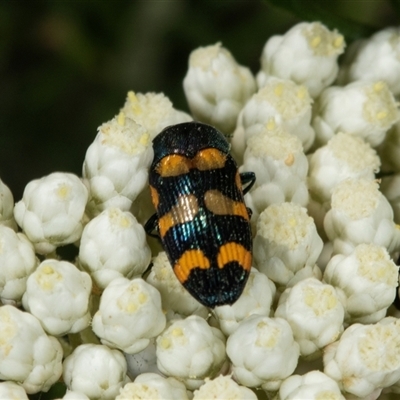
199, 348
57, 294
6, 206
113, 245
17, 261
116, 164
310, 322
280, 165
366, 281
51, 212
287, 245
314, 385
217, 87
315, 314
223, 387
306, 54
376, 58
280, 103
129, 316
366, 358
363, 108
153, 386
153, 111
360, 213
344, 156
263, 352
28, 355
96, 371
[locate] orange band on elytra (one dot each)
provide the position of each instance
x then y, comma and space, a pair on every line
174, 165
188, 261
220, 204
208, 159
230, 252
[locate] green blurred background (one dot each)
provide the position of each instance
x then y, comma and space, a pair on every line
66, 66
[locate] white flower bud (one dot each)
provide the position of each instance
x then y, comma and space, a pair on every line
366, 358
174, 296
344, 156
113, 245
11, 391
154, 387
360, 214
28, 355
57, 294
17, 262
6, 207
314, 385
375, 58
217, 87
191, 350
362, 108
286, 242
116, 164
51, 211
280, 165
366, 279
315, 314
263, 352
129, 316
257, 298
307, 54
153, 111
223, 387
280, 103
96, 371
389, 150
390, 187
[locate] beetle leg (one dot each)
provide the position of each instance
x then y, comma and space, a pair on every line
247, 178
151, 226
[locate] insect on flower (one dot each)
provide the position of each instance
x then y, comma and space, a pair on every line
201, 217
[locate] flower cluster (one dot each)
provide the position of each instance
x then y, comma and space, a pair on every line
316, 318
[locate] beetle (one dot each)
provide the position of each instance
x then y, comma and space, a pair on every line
201, 218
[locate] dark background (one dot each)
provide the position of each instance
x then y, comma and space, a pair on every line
66, 66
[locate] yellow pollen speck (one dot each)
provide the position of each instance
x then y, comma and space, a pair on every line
292, 222
142, 298
121, 118
165, 343
382, 114
63, 191
378, 86
278, 90
289, 161
302, 92
131, 307
271, 124
177, 332
315, 41
338, 42
144, 139
47, 269
124, 222
132, 96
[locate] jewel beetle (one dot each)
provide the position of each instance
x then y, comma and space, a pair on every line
201, 218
